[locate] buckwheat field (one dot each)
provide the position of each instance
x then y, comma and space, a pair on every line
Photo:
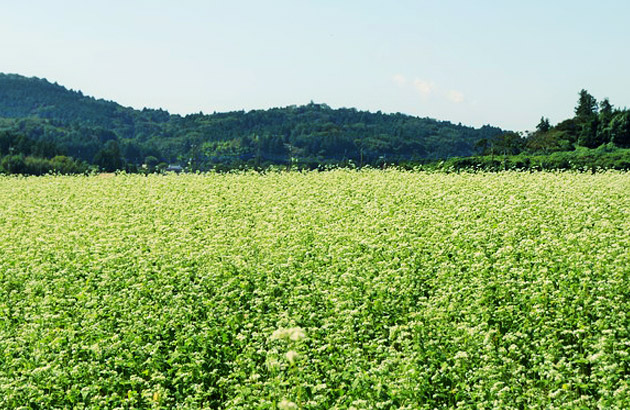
346, 289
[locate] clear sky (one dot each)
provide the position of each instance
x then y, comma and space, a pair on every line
503, 63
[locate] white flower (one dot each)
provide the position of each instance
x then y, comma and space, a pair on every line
279, 334
287, 405
461, 355
294, 333
297, 334
292, 355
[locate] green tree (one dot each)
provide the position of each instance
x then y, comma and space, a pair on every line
620, 129
604, 118
588, 136
66, 165
544, 142
481, 146
605, 110
588, 122
587, 105
543, 125
151, 161
509, 143
13, 164
109, 158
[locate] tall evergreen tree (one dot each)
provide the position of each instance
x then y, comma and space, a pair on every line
543, 125
620, 129
587, 106
604, 118
605, 109
586, 117
588, 136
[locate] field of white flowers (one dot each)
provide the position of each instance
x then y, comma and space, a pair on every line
335, 290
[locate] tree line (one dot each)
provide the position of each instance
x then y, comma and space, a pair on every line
45, 127
593, 125
107, 136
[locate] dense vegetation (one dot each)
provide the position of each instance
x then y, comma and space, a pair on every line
345, 289
46, 128
597, 136
583, 159
57, 121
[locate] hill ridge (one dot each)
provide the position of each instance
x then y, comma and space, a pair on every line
83, 126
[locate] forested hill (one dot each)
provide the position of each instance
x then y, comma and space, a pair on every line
39, 119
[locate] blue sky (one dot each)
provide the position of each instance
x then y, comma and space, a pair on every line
504, 63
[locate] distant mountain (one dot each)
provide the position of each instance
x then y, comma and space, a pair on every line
53, 120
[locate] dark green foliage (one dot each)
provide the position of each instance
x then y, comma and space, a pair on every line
28, 165
43, 120
584, 159
543, 125
508, 143
113, 137
109, 158
594, 125
13, 164
587, 106
547, 142
620, 129
588, 136
23, 155
605, 110
590, 127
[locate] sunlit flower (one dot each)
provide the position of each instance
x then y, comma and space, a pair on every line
461, 356
292, 355
293, 333
296, 334
287, 405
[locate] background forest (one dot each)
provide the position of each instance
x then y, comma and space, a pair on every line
45, 127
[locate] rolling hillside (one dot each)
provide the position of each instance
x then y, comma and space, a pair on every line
36, 113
